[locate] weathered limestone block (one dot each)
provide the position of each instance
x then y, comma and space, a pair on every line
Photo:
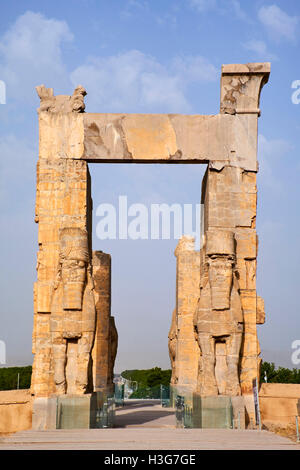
260, 313
219, 139
15, 411
230, 202
186, 354
241, 85
34, 316
44, 413
250, 350
106, 336
62, 103
172, 344
113, 348
278, 403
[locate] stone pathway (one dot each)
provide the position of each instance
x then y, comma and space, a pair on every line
145, 413
146, 425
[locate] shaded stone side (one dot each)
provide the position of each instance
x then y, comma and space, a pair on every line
106, 337
172, 345
185, 365
113, 345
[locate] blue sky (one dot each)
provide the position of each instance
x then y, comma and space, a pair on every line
149, 56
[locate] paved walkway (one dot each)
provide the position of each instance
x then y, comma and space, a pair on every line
145, 413
146, 425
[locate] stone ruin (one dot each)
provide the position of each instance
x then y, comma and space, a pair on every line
213, 342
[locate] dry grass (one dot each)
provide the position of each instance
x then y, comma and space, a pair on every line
285, 430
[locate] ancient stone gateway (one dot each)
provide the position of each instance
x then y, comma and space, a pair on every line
213, 341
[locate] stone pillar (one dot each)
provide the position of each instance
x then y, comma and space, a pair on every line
64, 313
187, 293
103, 357
113, 348
229, 195
230, 204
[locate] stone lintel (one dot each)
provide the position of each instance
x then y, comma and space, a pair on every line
221, 139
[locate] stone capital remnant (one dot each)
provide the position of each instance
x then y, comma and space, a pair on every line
241, 85
61, 103
213, 340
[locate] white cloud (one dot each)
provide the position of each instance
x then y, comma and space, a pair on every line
203, 5
133, 7
260, 49
278, 23
194, 69
136, 82
270, 151
222, 7
31, 54
169, 19
273, 149
239, 12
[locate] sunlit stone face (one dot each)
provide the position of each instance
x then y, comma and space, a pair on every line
73, 277
220, 279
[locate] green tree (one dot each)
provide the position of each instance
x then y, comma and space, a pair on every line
279, 375
154, 377
9, 377
148, 381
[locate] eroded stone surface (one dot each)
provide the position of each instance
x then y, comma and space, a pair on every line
219, 139
61, 103
182, 345
172, 344
241, 85
106, 337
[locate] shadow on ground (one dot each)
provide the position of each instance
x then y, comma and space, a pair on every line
133, 413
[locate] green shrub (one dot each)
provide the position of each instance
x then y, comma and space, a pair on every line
9, 377
147, 381
279, 375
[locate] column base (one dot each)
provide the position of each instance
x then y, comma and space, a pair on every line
219, 412
88, 411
